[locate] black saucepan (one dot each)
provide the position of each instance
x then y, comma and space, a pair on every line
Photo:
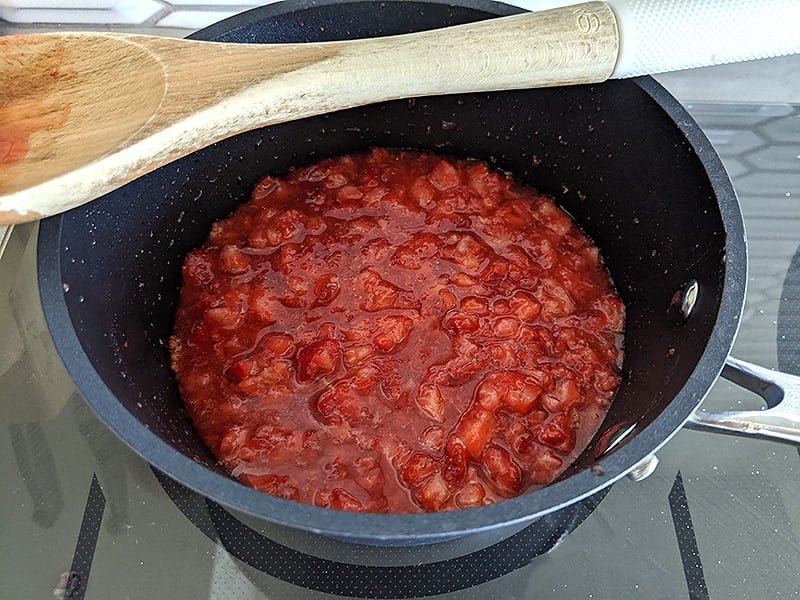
623, 158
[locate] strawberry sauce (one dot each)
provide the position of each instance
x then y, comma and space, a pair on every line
396, 332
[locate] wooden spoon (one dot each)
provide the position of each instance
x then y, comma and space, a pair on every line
84, 113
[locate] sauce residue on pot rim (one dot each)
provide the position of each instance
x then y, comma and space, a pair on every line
396, 332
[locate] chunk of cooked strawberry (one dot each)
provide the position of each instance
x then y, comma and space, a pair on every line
225, 317
503, 355
394, 387
565, 395
489, 395
232, 441
447, 300
234, 260
286, 225
242, 369
614, 311
326, 289
270, 383
558, 434
341, 499
348, 193
422, 191
465, 280
357, 355
511, 217
432, 438
198, 270
495, 272
444, 175
606, 381
501, 306
433, 494
525, 306
392, 331
342, 403
282, 486
519, 438
298, 292
265, 187
229, 314
368, 473
475, 305
318, 359
378, 294
555, 300
335, 469
501, 469
522, 395
431, 402
507, 389
279, 344
365, 378
411, 254
418, 468
466, 251
461, 323
554, 218
543, 465
470, 496
475, 429
262, 304
505, 327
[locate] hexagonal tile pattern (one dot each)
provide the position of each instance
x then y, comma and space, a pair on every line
738, 141
141, 15
783, 130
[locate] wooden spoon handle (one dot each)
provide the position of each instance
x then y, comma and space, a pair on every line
94, 111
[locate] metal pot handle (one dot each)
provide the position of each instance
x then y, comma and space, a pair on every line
779, 422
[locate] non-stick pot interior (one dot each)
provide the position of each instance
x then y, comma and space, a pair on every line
613, 155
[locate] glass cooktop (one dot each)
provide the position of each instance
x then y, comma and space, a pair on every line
83, 517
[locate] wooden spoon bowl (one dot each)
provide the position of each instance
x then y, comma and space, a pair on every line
62, 104
89, 112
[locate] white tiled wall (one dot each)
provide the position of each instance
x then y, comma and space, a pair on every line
143, 14
150, 16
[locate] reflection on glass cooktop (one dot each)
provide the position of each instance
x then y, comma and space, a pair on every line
719, 518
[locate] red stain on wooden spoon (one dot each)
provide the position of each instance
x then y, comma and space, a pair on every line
16, 128
14, 145
29, 106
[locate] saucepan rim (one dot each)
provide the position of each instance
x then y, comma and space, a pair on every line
431, 526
